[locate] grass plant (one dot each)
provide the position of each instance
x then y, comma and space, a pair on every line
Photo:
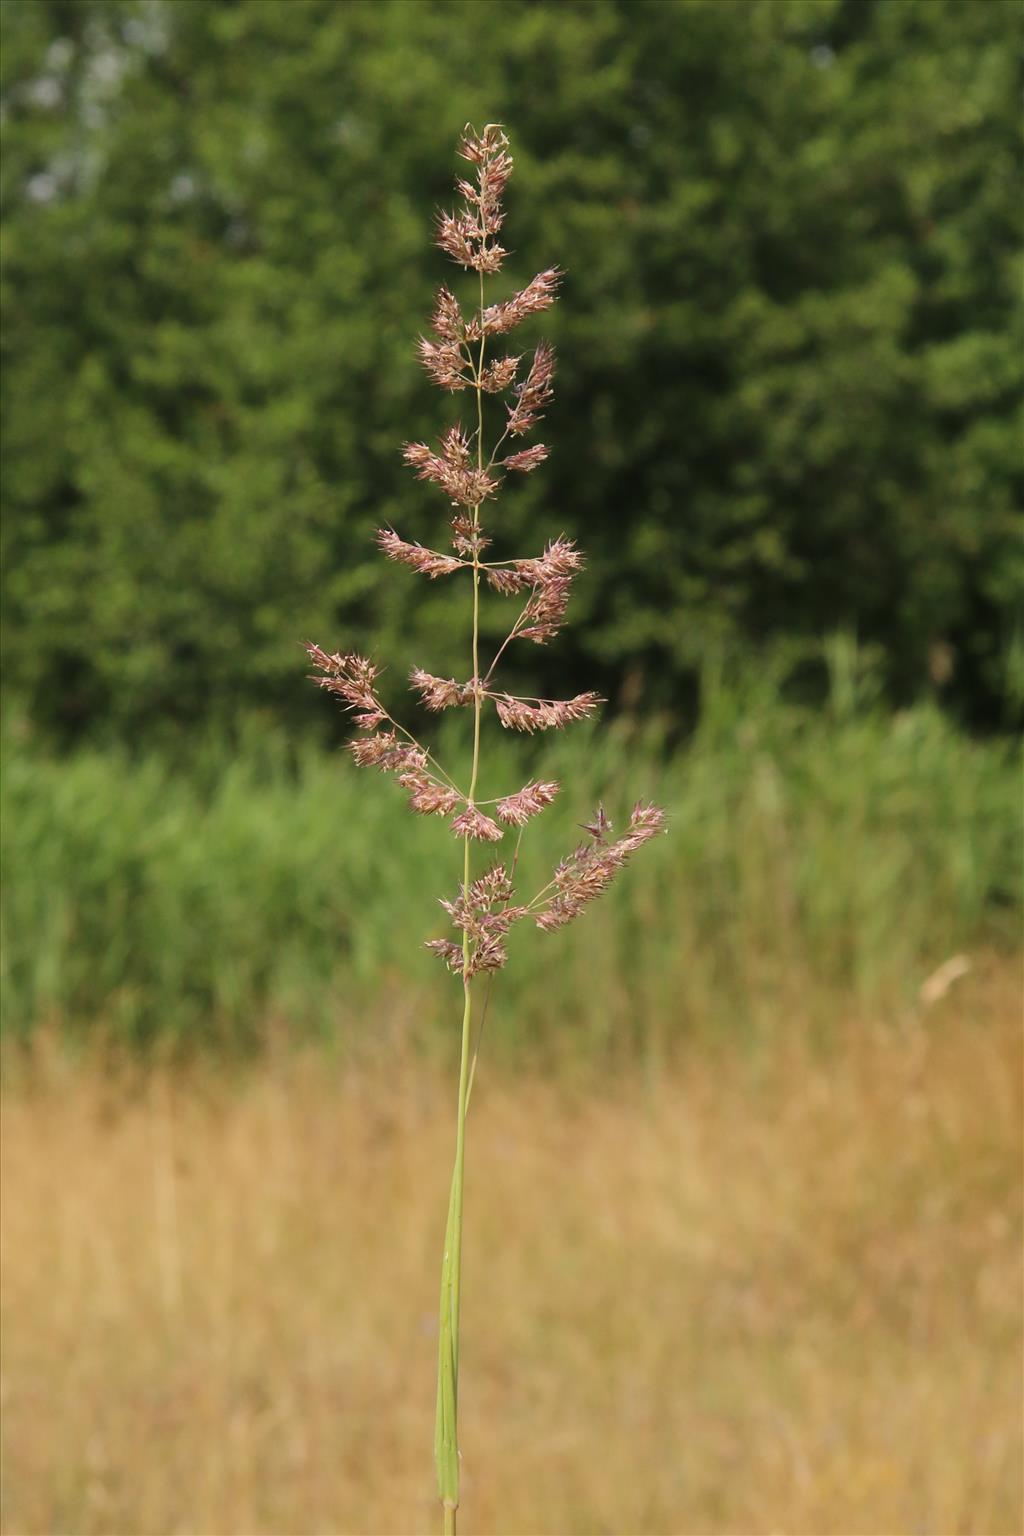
486, 906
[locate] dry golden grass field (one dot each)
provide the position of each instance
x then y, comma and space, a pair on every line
772, 1290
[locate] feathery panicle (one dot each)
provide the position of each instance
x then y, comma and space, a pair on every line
544, 613
539, 294
427, 561
467, 537
457, 357
484, 913
528, 459
543, 714
535, 392
560, 558
494, 885
645, 822
506, 580
440, 692
383, 750
447, 322
489, 954
516, 810
600, 826
592, 867
489, 153
468, 235
455, 237
499, 374
351, 678
464, 483
445, 362
548, 578
473, 823
429, 798
450, 953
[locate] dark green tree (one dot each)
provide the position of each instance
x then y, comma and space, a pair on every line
789, 372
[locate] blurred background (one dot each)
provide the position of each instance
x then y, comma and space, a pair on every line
744, 1181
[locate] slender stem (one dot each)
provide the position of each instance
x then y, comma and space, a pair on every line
456, 1219
541, 894
494, 450
451, 1273
513, 632
428, 755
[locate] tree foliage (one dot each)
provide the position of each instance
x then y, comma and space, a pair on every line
788, 369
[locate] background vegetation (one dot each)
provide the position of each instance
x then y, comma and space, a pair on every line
813, 857
790, 353
770, 1291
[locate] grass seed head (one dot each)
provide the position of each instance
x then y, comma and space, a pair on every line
457, 357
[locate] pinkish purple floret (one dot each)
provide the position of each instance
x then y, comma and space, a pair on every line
516, 810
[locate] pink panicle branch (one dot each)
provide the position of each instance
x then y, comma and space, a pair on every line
591, 868
440, 692
459, 357
532, 396
516, 810
531, 715
429, 562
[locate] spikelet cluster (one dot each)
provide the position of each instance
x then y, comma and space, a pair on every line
461, 355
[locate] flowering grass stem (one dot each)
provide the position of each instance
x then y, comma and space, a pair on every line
484, 909
451, 1270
